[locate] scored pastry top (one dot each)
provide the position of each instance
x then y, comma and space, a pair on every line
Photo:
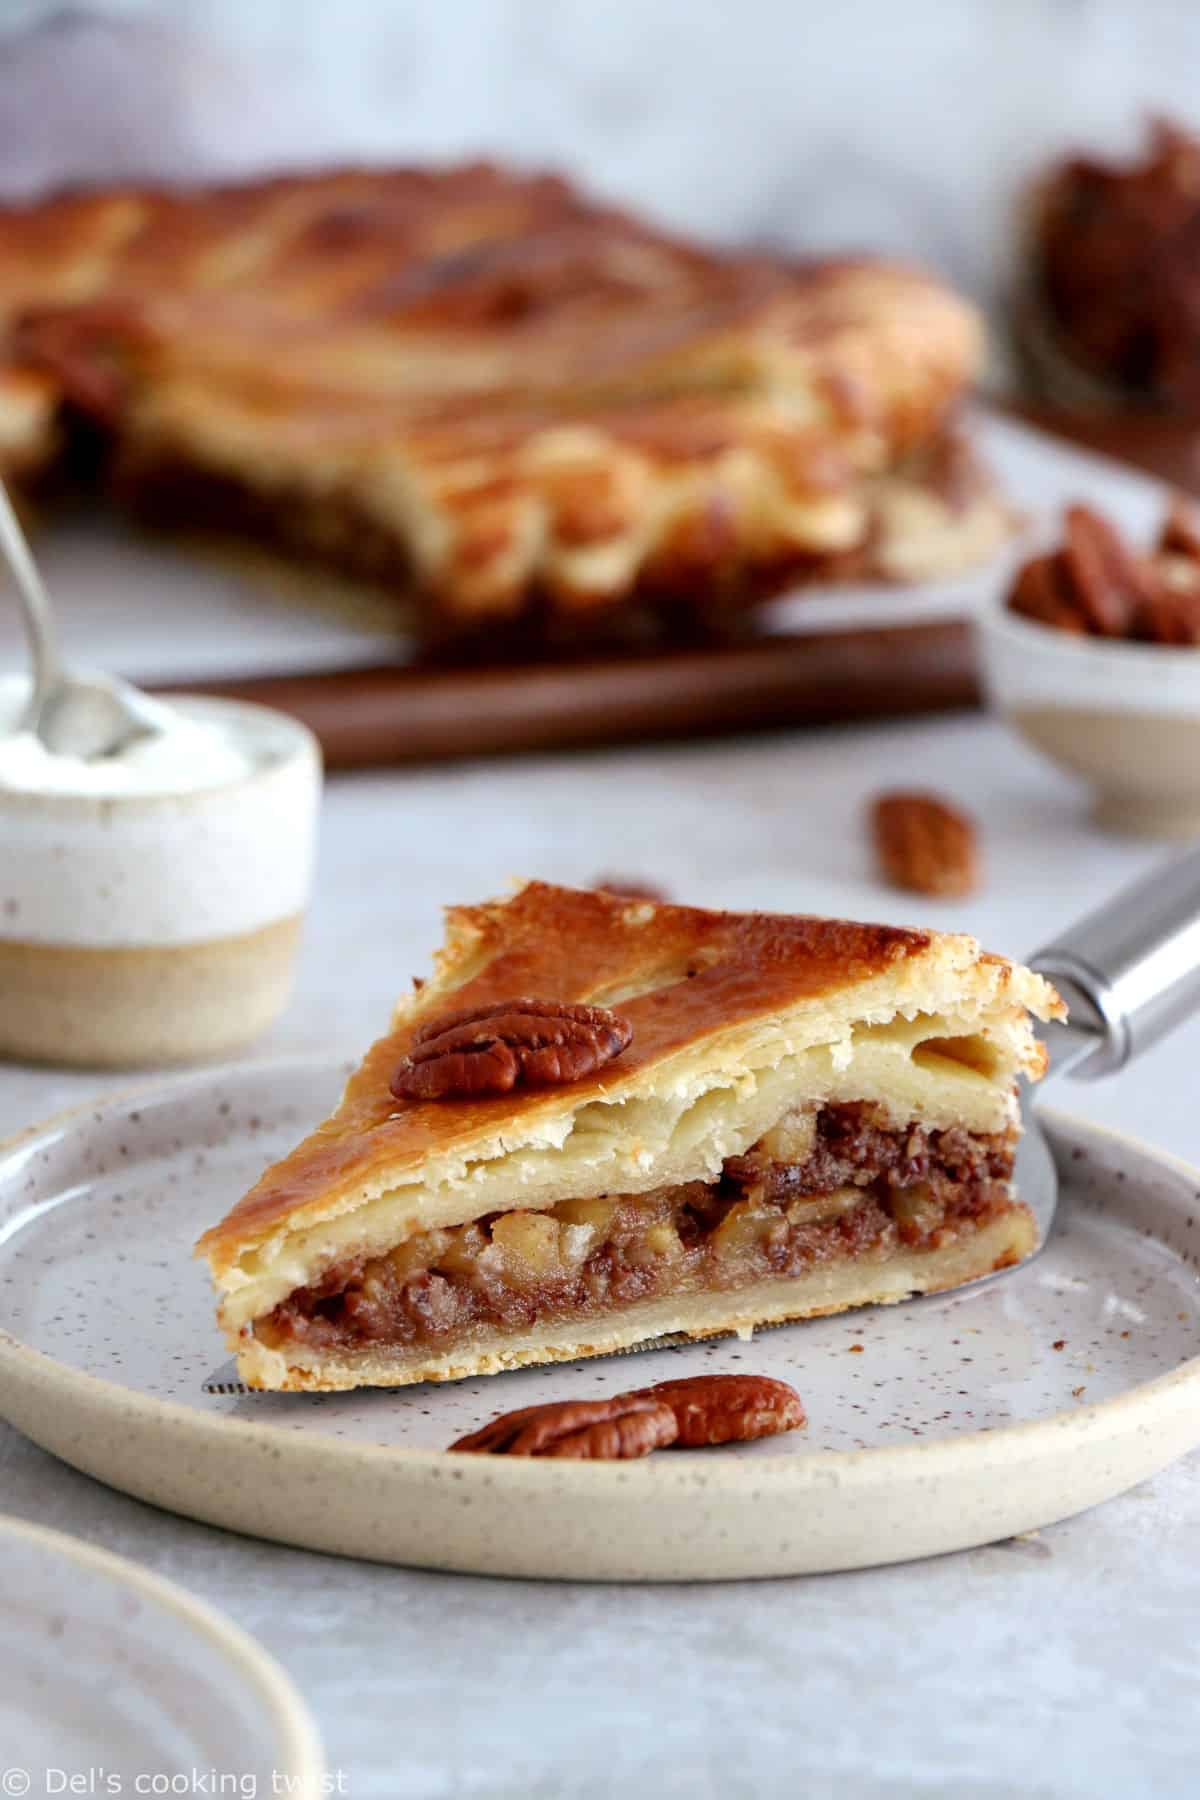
732, 1018
522, 397
443, 283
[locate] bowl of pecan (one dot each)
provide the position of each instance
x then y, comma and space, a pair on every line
1109, 315
1093, 655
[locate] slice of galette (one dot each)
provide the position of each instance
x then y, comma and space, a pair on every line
605, 1120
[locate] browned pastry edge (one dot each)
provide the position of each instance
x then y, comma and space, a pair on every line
246, 346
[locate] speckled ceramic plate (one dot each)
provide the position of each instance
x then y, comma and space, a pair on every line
933, 1425
110, 1676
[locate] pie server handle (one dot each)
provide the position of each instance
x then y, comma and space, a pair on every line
1130, 972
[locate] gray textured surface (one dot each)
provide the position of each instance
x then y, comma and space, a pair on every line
103, 1671
1061, 1665
1064, 1665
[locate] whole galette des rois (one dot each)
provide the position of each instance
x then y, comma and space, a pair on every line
604, 1121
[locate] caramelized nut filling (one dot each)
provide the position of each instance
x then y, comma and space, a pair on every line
838, 1183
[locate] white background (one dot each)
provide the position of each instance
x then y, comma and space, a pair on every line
907, 127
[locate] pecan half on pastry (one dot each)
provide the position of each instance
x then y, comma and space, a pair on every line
728, 1409
612, 1430
924, 844
490, 1049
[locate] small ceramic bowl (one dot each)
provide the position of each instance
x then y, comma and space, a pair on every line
153, 928
1123, 716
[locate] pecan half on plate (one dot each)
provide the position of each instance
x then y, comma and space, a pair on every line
728, 1409
584, 1430
490, 1049
691, 1413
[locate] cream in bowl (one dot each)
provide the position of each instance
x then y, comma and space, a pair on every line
1094, 657
150, 902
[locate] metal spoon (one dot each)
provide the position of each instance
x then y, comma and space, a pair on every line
88, 716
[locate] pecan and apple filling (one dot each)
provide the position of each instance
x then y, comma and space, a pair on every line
841, 1181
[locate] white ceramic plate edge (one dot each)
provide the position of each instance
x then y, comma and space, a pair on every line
304, 1761
667, 1518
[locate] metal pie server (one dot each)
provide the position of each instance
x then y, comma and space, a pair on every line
1129, 973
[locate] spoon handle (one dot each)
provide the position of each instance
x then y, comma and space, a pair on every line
35, 604
1131, 970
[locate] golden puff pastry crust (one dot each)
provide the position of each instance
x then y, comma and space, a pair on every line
736, 1019
492, 394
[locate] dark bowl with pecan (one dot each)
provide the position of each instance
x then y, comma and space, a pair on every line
1108, 318
1093, 655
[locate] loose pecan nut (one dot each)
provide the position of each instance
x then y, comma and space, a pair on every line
1172, 618
1093, 584
1108, 583
489, 1049
626, 889
727, 1409
1039, 594
691, 1413
612, 1430
925, 845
